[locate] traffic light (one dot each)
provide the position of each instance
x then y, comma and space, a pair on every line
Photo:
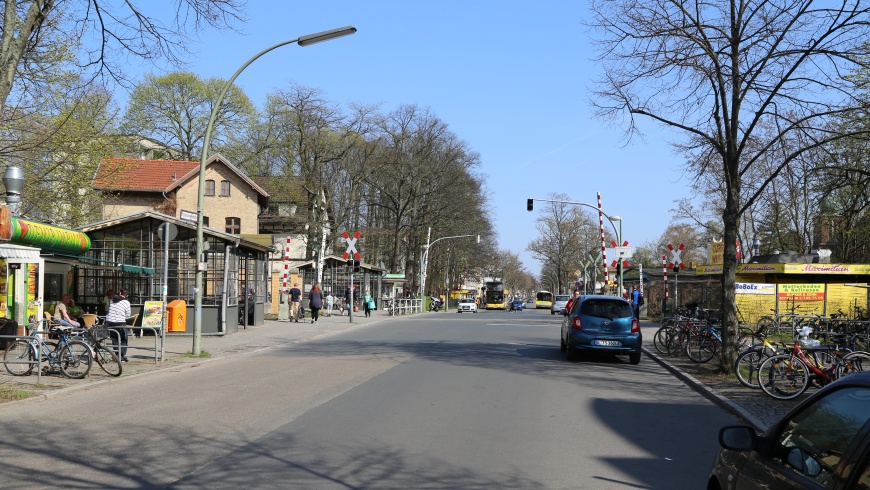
530, 204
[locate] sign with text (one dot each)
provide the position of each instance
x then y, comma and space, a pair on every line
716, 252
754, 288
801, 292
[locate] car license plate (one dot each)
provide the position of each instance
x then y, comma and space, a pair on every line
607, 343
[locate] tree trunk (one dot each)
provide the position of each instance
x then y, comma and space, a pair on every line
730, 218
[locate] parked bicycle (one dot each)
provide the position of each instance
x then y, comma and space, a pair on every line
787, 376
107, 358
747, 363
71, 357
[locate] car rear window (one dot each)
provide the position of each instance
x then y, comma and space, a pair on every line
562, 298
606, 308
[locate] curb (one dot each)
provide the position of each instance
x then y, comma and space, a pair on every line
709, 393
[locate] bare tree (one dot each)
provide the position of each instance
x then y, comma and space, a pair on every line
566, 234
103, 34
715, 72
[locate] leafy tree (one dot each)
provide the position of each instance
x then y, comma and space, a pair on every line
717, 73
59, 150
175, 109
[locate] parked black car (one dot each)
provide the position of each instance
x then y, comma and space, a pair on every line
823, 443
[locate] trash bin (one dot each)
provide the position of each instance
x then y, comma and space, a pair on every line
176, 312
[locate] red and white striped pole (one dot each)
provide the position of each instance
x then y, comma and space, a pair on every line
286, 277
665, 275
603, 246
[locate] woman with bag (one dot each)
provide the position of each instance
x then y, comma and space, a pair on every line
368, 303
315, 302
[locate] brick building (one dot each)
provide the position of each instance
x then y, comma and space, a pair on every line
232, 201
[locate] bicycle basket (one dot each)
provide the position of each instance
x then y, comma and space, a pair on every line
809, 343
97, 334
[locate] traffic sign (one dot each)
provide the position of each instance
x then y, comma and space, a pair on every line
675, 255
351, 246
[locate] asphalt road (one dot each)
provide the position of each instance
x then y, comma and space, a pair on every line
433, 401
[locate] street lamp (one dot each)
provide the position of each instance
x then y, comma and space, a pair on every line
201, 265
424, 259
13, 180
530, 207
756, 247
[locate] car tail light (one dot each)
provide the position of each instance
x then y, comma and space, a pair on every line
577, 323
635, 326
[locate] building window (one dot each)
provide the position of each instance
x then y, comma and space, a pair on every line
225, 187
234, 225
209, 187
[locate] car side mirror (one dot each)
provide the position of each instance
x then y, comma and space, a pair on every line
738, 437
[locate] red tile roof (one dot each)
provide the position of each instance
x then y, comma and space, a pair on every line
131, 174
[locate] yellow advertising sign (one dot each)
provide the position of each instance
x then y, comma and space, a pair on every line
827, 269
716, 252
153, 314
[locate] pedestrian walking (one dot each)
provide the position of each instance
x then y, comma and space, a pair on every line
119, 312
369, 303
330, 300
295, 298
635, 303
315, 302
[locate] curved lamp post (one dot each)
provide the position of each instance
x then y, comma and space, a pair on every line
424, 259
609, 218
201, 264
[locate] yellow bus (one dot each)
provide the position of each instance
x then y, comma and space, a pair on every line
544, 299
496, 296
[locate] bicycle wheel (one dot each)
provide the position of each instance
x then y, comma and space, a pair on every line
660, 339
783, 377
108, 361
18, 357
855, 362
75, 359
675, 344
746, 366
701, 348
765, 325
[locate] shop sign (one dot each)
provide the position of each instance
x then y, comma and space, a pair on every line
801, 292
48, 238
755, 288
828, 268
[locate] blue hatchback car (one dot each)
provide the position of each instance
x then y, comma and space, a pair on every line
516, 305
601, 324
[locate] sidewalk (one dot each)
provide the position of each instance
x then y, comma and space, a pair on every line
753, 406
178, 347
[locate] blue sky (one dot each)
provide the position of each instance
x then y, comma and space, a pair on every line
510, 78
